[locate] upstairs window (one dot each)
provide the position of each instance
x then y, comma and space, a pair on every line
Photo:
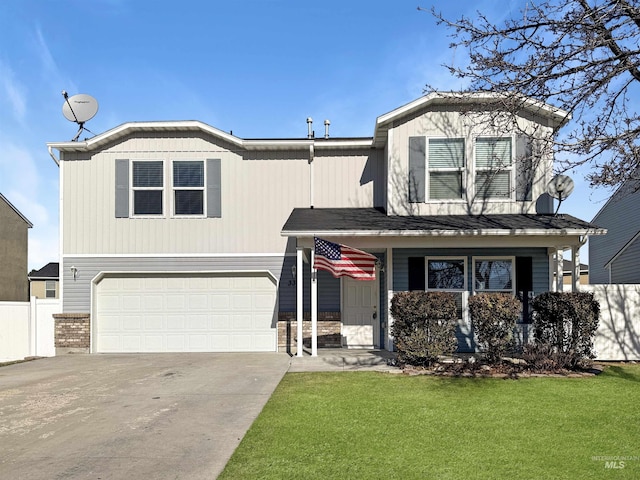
188, 187
148, 185
195, 188
446, 164
50, 289
494, 165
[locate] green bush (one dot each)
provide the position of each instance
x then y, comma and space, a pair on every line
567, 321
494, 317
424, 326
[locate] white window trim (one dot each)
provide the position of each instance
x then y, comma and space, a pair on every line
511, 169
203, 188
462, 170
438, 258
464, 290
133, 189
46, 290
512, 259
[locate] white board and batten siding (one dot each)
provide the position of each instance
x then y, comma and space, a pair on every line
259, 189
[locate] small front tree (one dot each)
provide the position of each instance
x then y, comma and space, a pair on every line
424, 326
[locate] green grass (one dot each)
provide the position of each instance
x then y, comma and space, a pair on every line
364, 425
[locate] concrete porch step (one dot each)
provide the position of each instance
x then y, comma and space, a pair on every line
341, 359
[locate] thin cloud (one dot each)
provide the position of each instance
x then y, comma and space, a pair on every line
14, 93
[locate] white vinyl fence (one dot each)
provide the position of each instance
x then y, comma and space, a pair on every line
618, 336
27, 329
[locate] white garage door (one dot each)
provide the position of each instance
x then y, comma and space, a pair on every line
195, 313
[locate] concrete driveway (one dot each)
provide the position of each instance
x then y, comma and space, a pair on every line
154, 416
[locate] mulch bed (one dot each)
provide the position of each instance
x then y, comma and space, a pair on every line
506, 369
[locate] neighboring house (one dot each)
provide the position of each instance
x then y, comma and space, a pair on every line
568, 273
44, 283
177, 236
615, 257
14, 247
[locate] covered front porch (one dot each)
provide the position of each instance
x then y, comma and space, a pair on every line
528, 250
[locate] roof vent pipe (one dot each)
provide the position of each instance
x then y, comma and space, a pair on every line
326, 128
310, 127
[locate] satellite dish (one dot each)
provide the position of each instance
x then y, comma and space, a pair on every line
560, 187
79, 109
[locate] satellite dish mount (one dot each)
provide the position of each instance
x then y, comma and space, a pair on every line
560, 187
79, 109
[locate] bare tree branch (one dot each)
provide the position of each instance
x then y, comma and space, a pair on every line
582, 56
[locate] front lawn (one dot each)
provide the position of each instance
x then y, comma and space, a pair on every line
365, 425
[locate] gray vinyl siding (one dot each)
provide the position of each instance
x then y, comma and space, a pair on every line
77, 293
540, 263
328, 289
466, 342
626, 267
621, 217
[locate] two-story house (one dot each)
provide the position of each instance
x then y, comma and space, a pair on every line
177, 236
14, 248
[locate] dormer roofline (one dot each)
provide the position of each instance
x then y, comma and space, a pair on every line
557, 116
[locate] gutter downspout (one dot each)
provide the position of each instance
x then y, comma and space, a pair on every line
55, 159
311, 193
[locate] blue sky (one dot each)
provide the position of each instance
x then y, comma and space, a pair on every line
256, 67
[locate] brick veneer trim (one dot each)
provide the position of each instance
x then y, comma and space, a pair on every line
72, 331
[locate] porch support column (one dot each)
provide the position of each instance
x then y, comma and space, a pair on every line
551, 253
559, 269
575, 274
299, 299
389, 272
314, 305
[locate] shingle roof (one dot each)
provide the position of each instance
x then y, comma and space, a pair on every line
50, 270
372, 221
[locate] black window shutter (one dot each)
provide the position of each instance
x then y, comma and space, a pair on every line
416, 273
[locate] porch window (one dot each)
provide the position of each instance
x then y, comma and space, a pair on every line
447, 274
494, 167
148, 185
494, 275
188, 187
446, 164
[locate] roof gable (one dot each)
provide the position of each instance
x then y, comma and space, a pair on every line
50, 270
557, 116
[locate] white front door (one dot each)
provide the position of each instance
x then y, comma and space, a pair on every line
360, 320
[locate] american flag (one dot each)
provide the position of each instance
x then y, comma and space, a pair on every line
341, 260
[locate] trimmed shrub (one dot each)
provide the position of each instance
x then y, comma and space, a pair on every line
544, 357
494, 317
567, 321
424, 326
